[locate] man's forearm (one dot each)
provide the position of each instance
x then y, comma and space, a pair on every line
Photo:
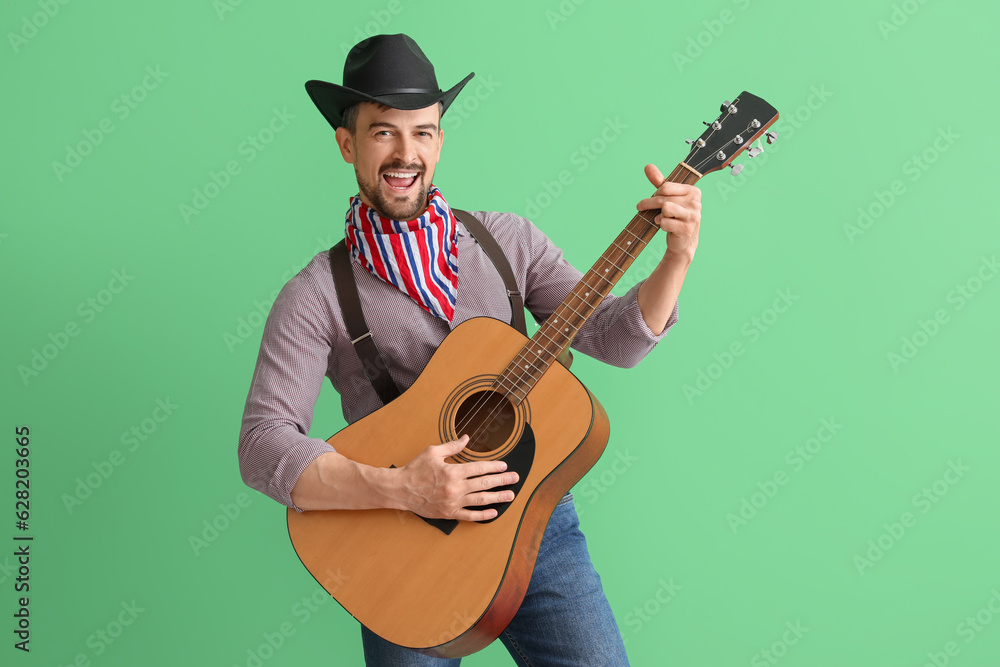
334, 482
658, 294
428, 485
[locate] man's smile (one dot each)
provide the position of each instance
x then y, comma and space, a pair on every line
400, 181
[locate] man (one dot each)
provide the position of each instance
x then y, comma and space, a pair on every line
387, 119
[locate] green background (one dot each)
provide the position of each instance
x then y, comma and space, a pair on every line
862, 88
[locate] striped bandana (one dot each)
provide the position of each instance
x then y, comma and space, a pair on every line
419, 257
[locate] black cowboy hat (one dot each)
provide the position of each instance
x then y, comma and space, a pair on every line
387, 69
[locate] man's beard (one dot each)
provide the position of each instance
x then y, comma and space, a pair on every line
395, 210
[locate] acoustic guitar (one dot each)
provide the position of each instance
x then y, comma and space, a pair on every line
449, 588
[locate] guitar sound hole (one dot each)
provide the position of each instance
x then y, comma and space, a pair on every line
489, 419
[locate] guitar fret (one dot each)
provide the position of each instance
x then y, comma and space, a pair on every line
542, 331
615, 243
574, 309
556, 334
501, 379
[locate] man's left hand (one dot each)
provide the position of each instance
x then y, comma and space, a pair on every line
678, 208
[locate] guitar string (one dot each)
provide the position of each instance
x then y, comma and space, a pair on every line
540, 369
534, 367
503, 377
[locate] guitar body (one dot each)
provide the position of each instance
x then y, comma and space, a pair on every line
448, 589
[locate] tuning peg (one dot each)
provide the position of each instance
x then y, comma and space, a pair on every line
700, 143
715, 125
754, 151
727, 106
771, 137
737, 168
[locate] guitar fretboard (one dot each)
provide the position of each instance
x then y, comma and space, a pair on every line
558, 331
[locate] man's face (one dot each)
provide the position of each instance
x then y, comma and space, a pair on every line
394, 153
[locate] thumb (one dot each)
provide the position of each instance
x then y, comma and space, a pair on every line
654, 175
453, 446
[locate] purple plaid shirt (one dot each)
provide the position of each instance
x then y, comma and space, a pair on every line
305, 340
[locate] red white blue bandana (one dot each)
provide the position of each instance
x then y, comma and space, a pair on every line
419, 257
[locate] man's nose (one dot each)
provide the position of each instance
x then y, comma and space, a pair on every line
406, 150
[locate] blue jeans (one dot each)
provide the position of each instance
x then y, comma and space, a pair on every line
565, 618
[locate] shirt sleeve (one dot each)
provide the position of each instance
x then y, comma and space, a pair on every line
274, 445
615, 333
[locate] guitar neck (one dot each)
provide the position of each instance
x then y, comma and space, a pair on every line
558, 331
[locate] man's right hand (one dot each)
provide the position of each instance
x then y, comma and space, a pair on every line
428, 485
436, 489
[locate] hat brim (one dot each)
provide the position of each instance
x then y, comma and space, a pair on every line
332, 100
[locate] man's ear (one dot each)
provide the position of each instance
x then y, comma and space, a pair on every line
345, 140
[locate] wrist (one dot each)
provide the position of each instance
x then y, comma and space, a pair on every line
678, 259
384, 485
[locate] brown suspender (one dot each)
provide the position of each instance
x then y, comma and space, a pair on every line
493, 251
357, 327
354, 317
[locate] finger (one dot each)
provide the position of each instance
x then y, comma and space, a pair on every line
486, 482
475, 515
480, 470
451, 447
671, 191
490, 498
654, 175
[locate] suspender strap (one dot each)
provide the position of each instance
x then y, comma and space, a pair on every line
357, 328
493, 251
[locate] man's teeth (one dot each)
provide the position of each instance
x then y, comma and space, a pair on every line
401, 174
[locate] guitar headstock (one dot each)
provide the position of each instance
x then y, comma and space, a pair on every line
742, 122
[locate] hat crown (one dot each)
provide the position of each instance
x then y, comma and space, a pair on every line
388, 64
